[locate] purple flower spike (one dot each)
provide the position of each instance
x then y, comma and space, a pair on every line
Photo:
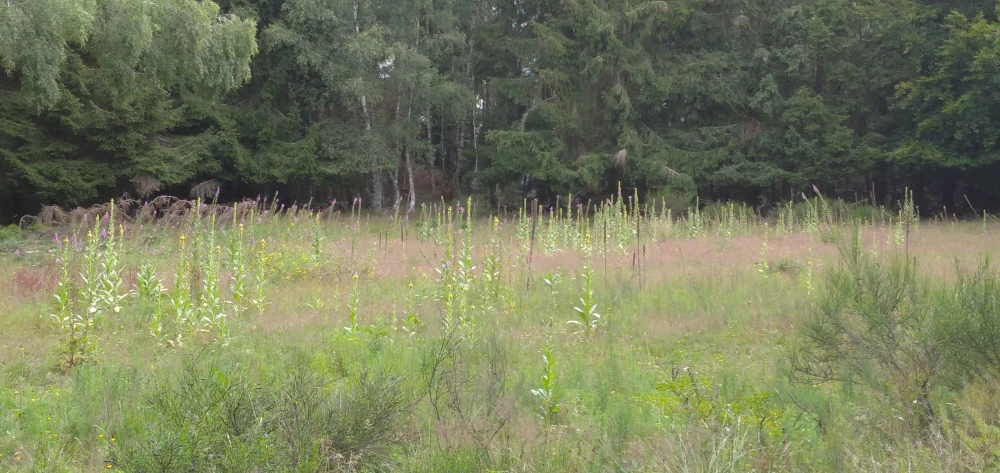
803, 196
55, 238
217, 189
815, 189
106, 215
104, 233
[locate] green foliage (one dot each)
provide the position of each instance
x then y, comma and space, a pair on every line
215, 418
729, 100
880, 325
114, 90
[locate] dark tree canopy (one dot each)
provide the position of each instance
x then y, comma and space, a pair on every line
400, 100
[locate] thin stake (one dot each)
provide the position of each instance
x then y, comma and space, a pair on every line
605, 251
531, 248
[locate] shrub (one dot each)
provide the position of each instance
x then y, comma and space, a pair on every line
882, 326
874, 326
215, 419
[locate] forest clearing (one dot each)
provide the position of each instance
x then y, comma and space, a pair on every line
585, 337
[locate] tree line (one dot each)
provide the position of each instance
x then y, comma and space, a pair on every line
399, 100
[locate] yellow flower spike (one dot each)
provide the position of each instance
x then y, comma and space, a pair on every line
100, 436
410, 285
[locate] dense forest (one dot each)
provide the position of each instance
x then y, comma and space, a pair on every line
398, 101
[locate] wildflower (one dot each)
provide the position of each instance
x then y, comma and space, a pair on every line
100, 436
55, 238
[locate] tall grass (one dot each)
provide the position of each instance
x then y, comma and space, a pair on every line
535, 340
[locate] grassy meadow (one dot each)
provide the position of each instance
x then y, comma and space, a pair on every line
180, 336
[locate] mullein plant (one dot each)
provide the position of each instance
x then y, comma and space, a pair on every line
317, 241
809, 271
75, 326
413, 321
179, 297
761, 264
695, 221
465, 277
547, 398
110, 293
492, 265
258, 268
91, 275
447, 277
149, 288
352, 307
213, 313
237, 258
587, 316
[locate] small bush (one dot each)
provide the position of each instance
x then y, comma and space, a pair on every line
881, 325
10, 235
874, 326
215, 419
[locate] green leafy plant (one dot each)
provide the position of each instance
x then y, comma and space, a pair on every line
588, 318
545, 394
75, 325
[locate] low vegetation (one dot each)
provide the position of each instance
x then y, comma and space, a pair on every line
615, 336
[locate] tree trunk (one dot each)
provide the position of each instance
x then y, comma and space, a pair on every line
377, 190
459, 141
430, 142
394, 172
470, 77
412, 204
443, 143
